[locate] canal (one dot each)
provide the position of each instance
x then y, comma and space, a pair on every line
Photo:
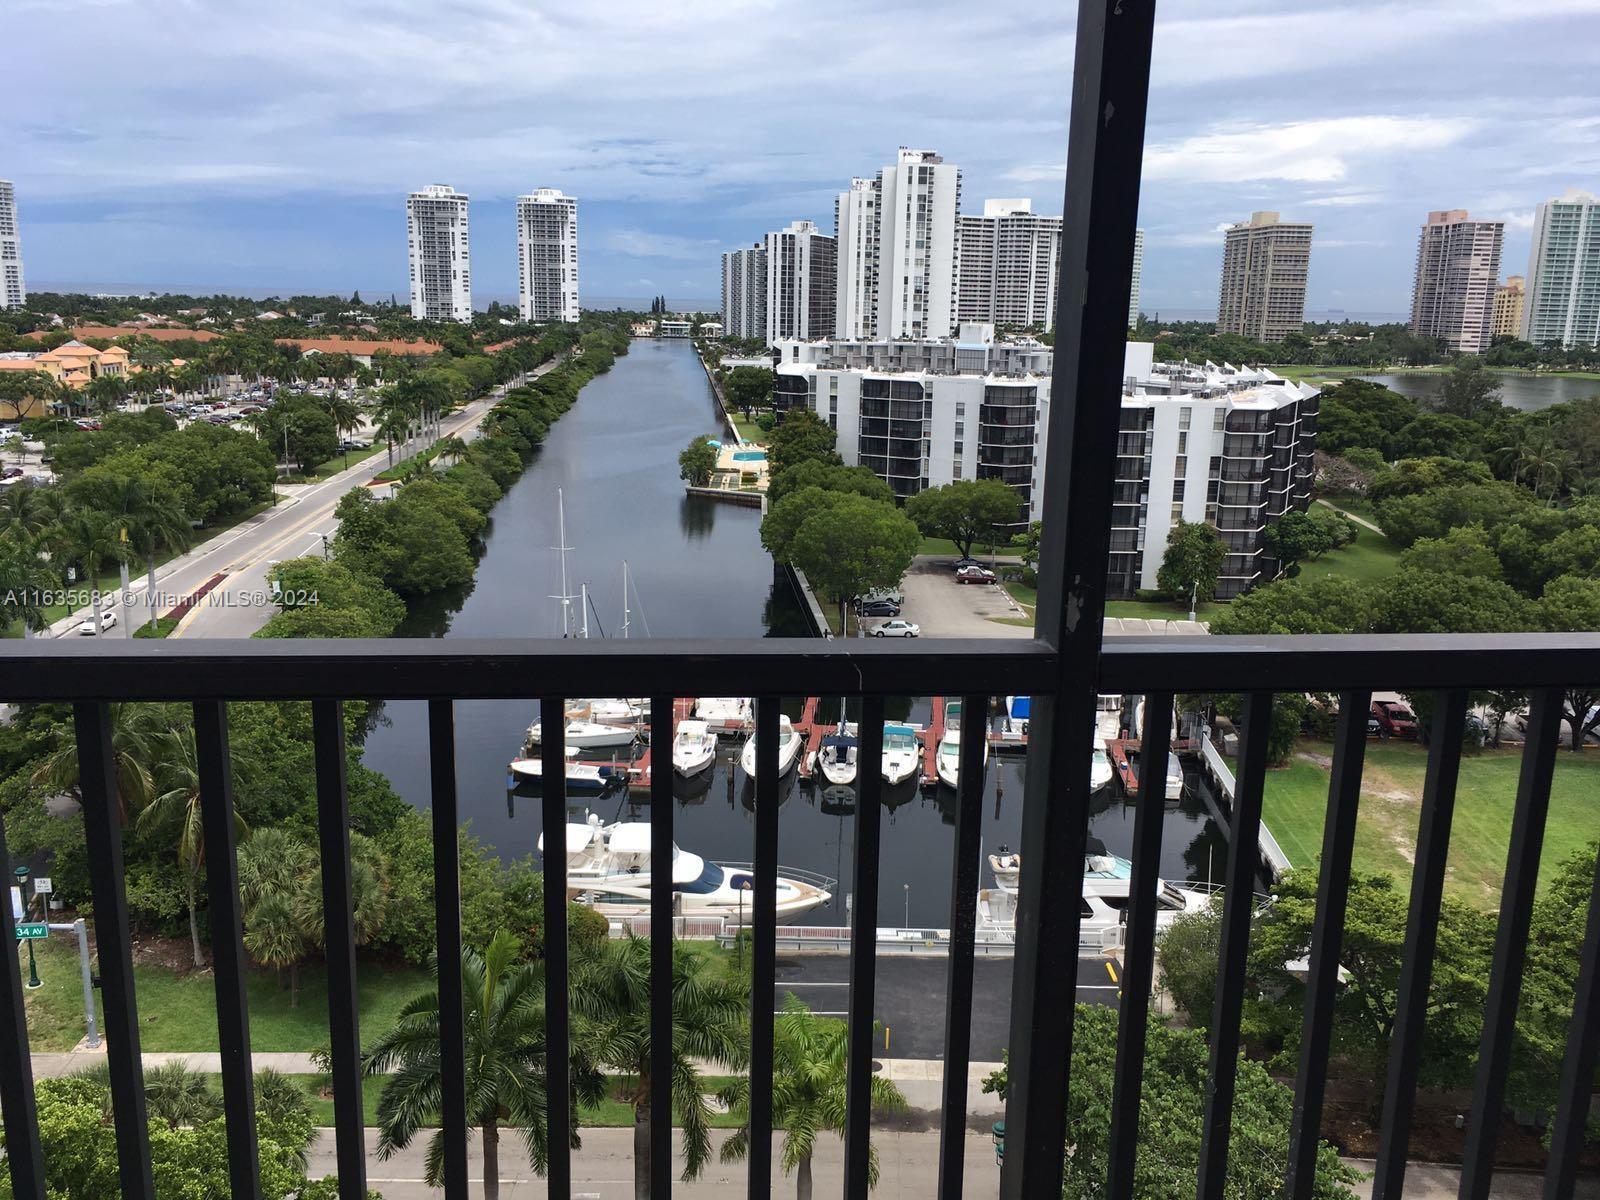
699, 570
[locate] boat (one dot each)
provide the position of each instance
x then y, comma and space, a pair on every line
724, 714
836, 757
902, 755
789, 746
587, 735
617, 711
609, 869
1107, 718
694, 748
580, 776
948, 760
1100, 769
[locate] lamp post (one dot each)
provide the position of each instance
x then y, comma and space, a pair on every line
22, 887
743, 888
908, 905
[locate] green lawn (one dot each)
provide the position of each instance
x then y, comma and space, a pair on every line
1296, 801
1162, 610
1370, 557
749, 431
1358, 506
335, 464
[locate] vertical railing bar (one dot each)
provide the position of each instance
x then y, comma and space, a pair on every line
1110, 90
24, 1155
661, 939
763, 947
1511, 941
963, 926
1578, 1067
557, 967
339, 938
863, 949
1138, 964
447, 923
102, 827
1422, 931
215, 766
1238, 903
1327, 937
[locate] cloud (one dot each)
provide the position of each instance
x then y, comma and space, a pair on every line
643, 243
1302, 152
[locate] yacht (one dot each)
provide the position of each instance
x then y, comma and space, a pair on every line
836, 757
1107, 718
608, 868
902, 754
948, 760
724, 714
618, 712
789, 746
694, 748
587, 735
1101, 772
580, 776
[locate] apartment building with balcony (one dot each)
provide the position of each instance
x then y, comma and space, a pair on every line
547, 256
744, 292
13, 290
1453, 294
439, 249
1563, 301
800, 262
1008, 261
1265, 262
1509, 298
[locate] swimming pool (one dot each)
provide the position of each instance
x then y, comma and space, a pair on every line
749, 455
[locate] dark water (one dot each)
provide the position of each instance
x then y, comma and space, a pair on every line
1527, 392
700, 570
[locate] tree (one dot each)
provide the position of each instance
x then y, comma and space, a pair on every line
854, 545
26, 578
801, 435
344, 414
1469, 392
316, 594
696, 462
1465, 551
300, 430
1570, 603
1172, 1106
748, 387
1188, 951
92, 539
1296, 536
179, 1096
611, 1010
1192, 561
1426, 602
964, 511
504, 1031
808, 1092
830, 478
136, 733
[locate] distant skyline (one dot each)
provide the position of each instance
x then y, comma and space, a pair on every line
680, 141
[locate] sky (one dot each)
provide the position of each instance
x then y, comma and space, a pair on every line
214, 145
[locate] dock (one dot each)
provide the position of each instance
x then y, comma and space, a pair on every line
813, 731
1121, 752
931, 737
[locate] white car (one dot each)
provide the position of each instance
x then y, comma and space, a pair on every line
107, 620
897, 628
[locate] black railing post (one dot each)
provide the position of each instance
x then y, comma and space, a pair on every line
339, 938
863, 948
1138, 967
662, 896
557, 967
1110, 85
763, 947
447, 925
24, 1156
1422, 935
102, 829
1327, 936
1578, 1067
1511, 941
227, 944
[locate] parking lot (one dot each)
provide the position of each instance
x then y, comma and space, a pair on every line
944, 608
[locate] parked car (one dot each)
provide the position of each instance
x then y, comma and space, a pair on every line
355, 444
108, 620
889, 594
249, 410
975, 574
962, 564
87, 423
1374, 727
897, 628
1394, 719
878, 608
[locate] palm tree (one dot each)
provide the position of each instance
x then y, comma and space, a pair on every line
175, 809
272, 865
504, 1031
394, 421
150, 522
808, 1092
180, 1096
25, 578
453, 448
710, 1010
345, 415
93, 538
136, 732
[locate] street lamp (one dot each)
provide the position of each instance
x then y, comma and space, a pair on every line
22, 888
908, 905
744, 886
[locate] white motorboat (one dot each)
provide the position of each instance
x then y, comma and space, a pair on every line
609, 869
580, 776
587, 735
789, 745
1101, 772
1174, 786
617, 711
902, 754
694, 748
1107, 718
836, 757
948, 760
724, 714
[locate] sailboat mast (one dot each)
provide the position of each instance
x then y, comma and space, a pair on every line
566, 593
624, 598
584, 591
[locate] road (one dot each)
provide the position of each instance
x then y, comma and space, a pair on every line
295, 527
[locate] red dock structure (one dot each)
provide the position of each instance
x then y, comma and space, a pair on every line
639, 769
931, 737
813, 731
1121, 752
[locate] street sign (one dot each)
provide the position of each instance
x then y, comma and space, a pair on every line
42, 885
26, 932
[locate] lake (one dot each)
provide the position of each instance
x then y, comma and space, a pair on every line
1526, 392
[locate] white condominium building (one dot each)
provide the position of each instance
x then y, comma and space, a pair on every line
13, 292
1264, 266
800, 283
903, 224
547, 256
1458, 266
441, 260
1138, 273
855, 226
1008, 260
744, 292
1224, 445
1563, 289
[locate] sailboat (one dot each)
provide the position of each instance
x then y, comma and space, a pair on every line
628, 709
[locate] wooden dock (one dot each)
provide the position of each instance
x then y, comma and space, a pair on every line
1121, 752
931, 737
